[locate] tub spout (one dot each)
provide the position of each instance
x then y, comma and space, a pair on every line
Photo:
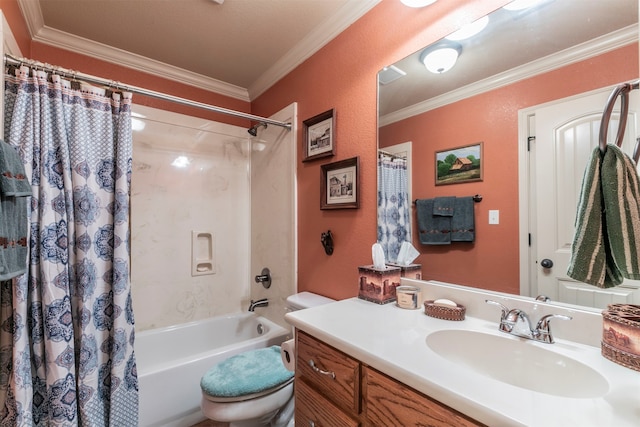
259, 303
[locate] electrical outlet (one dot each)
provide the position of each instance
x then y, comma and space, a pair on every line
494, 217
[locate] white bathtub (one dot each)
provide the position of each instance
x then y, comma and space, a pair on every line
171, 361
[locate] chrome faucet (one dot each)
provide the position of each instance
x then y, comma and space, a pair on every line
259, 303
516, 322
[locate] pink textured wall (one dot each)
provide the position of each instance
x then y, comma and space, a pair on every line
12, 13
343, 75
492, 261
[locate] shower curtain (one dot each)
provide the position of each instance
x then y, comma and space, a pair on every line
67, 327
393, 205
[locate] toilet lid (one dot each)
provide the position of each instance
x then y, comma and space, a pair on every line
247, 373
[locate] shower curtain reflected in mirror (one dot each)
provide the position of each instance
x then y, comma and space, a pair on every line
393, 205
67, 334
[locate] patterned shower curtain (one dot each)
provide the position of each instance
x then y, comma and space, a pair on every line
393, 205
66, 326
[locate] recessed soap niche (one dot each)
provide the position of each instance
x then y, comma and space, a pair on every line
202, 253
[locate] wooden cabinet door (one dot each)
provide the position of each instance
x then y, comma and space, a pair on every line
313, 410
390, 403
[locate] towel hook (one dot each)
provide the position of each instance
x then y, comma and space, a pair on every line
327, 242
621, 91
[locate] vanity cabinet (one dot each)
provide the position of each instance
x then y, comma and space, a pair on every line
332, 389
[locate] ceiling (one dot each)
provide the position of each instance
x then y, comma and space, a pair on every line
235, 47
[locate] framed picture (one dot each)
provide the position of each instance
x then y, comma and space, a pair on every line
319, 136
340, 185
460, 164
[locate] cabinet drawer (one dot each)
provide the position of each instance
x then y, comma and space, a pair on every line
390, 403
331, 372
313, 410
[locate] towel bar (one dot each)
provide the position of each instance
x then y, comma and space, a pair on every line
477, 198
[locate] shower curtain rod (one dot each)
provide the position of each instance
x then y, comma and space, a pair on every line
74, 75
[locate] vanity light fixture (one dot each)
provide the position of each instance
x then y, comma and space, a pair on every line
442, 57
469, 30
417, 3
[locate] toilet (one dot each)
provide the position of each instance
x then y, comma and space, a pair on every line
254, 389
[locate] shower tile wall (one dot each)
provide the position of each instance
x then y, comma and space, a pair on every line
273, 213
210, 192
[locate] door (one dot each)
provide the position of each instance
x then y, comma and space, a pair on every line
565, 135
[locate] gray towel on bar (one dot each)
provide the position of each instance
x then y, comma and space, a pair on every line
463, 220
433, 229
14, 188
444, 206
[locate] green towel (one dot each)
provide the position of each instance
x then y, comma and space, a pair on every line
621, 195
606, 240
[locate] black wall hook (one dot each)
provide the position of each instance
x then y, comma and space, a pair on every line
327, 242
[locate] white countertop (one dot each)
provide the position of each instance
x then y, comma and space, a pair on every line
393, 341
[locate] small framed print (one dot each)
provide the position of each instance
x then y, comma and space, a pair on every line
319, 136
340, 185
459, 165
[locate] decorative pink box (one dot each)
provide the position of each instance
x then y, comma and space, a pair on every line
411, 271
378, 285
621, 334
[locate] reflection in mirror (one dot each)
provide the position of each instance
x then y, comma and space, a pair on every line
394, 196
560, 49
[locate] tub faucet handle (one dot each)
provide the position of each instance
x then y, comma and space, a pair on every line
264, 277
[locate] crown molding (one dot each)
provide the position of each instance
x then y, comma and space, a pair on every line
106, 53
581, 52
313, 42
32, 15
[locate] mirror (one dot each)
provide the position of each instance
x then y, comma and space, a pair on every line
565, 47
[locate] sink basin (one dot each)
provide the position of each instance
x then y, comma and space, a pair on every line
519, 362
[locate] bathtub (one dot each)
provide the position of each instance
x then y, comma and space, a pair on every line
171, 361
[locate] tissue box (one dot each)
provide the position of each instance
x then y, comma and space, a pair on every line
378, 284
411, 271
621, 335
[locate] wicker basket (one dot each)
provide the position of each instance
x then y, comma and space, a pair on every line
445, 312
621, 335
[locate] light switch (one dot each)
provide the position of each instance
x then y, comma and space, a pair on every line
494, 217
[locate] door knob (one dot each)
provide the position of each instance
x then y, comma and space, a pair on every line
546, 263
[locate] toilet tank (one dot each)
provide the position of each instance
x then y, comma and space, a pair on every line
304, 300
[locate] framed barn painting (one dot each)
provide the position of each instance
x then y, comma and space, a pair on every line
459, 165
